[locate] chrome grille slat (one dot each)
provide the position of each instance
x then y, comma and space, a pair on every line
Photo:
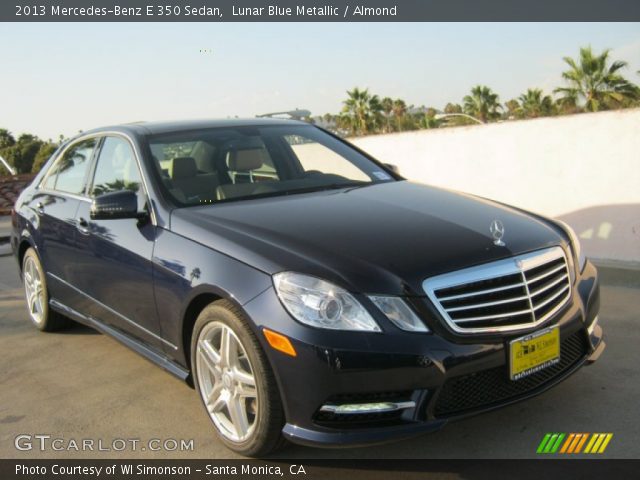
544, 289
548, 300
491, 317
488, 304
482, 292
544, 275
503, 302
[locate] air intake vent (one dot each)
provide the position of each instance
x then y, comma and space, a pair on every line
513, 294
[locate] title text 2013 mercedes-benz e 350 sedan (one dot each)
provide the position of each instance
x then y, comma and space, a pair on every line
309, 291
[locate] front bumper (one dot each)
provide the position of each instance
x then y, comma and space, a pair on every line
445, 375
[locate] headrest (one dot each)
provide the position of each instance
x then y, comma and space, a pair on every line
184, 167
245, 160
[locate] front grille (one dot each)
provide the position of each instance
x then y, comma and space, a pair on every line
491, 387
512, 294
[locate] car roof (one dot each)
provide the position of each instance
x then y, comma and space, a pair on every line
152, 128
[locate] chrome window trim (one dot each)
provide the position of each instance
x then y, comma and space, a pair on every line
499, 268
60, 193
100, 135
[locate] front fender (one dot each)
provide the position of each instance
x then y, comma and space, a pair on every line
199, 271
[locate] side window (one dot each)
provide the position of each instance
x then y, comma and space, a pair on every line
69, 172
117, 170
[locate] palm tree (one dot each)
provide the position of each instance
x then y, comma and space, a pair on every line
482, 103
596, 83
399, 111
387, 108
452, 108
533, 103
513, 109
376, 118
362, 111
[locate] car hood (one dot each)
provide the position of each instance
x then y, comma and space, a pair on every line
382, 238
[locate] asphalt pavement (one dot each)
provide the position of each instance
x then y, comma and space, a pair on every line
81, 385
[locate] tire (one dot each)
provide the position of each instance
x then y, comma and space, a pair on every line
223, 383
37, 296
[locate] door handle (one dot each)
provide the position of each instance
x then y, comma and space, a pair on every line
83, 226
40, 208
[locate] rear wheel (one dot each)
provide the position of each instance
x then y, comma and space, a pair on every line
37, 295
235, 382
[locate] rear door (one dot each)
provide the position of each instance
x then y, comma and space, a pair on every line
115, 255
56, 203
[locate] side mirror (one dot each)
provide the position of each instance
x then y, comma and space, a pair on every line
392, 167
114, 205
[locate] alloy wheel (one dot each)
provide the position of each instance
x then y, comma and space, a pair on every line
226, 382
34, 291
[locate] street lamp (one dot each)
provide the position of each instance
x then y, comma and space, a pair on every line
7, 166
297, 114
440, 116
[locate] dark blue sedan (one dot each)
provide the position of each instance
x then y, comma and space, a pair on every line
307, 290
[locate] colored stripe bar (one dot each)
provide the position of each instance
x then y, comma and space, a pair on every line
550, 443
604, 445
591, 442
543, 443
568, 442
555, 447
576, 439
599, 440
581, 443
573, 443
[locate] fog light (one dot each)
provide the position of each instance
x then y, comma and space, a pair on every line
593, 325
360, 408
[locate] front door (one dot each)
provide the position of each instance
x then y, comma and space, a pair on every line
116, 268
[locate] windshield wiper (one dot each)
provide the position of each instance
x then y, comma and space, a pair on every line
293, 191
319, 188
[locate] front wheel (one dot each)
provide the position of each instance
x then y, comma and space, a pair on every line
235, 381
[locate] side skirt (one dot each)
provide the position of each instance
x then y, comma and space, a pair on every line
135, 345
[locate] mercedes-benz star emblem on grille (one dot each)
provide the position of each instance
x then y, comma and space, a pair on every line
497, 230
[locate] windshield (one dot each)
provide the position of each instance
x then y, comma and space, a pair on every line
234, 163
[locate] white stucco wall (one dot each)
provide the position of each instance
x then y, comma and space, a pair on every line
583, 169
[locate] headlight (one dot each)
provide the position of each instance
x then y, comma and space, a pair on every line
321, 304
575, 246
400, 314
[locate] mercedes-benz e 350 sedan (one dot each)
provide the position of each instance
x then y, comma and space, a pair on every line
307, 290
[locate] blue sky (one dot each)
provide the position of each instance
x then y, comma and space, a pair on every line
61, 77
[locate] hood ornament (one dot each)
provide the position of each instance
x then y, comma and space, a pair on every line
497, 231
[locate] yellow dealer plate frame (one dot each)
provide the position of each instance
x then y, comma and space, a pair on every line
533, 352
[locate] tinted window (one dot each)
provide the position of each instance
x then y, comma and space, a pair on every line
69, 172
117, 169
233, 163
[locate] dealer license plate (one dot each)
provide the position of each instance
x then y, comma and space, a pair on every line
532, 353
